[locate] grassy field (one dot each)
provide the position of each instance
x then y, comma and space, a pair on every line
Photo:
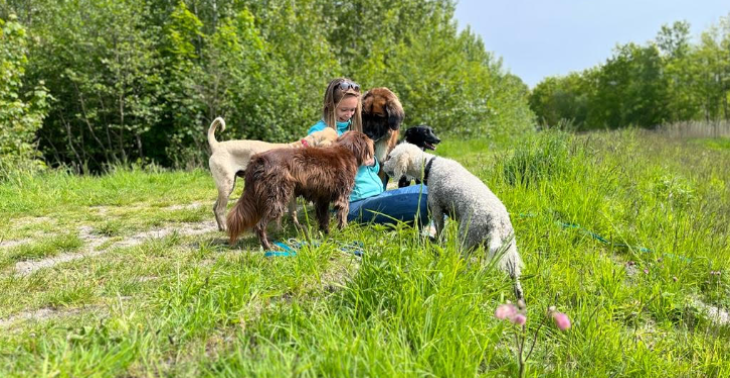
627, 233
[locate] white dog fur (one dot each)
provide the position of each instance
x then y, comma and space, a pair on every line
230, 158
454, 191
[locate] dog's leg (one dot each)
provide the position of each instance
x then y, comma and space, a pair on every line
403, 182
383, 177
510, 261
342, 206
469, 235
293, 212
438, 217
261, 232
519, 294
270, 214
225, 188
323, 215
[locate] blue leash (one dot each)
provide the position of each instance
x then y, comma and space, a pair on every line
286, 251
606, 241
292, 245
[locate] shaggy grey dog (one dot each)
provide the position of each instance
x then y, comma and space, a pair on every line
454, 191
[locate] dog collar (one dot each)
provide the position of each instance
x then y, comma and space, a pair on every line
427, 170
304, 143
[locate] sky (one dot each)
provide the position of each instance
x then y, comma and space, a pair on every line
544, 38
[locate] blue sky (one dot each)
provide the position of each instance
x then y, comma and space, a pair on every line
554, 37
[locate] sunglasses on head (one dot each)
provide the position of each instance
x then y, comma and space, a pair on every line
345, 85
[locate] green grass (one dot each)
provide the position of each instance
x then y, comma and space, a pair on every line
192, 306
45, 247
714, 143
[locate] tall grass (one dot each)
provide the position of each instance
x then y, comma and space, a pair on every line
697, 129
623, 231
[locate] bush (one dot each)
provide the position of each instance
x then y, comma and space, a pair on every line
21, 111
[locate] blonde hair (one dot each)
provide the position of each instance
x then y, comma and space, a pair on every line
332, 97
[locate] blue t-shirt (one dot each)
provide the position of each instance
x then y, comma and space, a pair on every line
367, 182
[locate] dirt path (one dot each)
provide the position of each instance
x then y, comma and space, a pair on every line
93, 244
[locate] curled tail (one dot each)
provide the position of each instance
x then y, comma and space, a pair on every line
243, 216
211, 131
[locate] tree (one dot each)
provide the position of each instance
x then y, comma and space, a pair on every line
667, 80
141, 80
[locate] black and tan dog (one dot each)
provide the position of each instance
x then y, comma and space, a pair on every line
423, 137
382, 115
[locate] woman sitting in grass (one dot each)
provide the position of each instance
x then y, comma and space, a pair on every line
369, 202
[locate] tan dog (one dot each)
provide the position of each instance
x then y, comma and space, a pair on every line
230, 159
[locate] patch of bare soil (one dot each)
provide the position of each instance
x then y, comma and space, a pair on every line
14, 243
31, 221
189, 206
20, 222
37, 315
93, 243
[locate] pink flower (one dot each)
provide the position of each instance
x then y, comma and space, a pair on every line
561, 320
646, 271
505, 311
519, 319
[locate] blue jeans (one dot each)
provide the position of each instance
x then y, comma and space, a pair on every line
402, 204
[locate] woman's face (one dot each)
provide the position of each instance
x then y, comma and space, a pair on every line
346, 108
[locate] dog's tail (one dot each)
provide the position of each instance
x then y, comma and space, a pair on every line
243, 216
211, 131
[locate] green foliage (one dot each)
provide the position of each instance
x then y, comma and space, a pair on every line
139, 81
21, 110
561, 99
665, 81
630, 89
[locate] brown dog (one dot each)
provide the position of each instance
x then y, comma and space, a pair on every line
382, 115
230, 159
322, 175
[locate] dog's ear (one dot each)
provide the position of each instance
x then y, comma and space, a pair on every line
367, 147
359, 144
367, 102
395, 113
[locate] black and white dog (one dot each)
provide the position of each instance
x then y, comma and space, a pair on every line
423, 137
